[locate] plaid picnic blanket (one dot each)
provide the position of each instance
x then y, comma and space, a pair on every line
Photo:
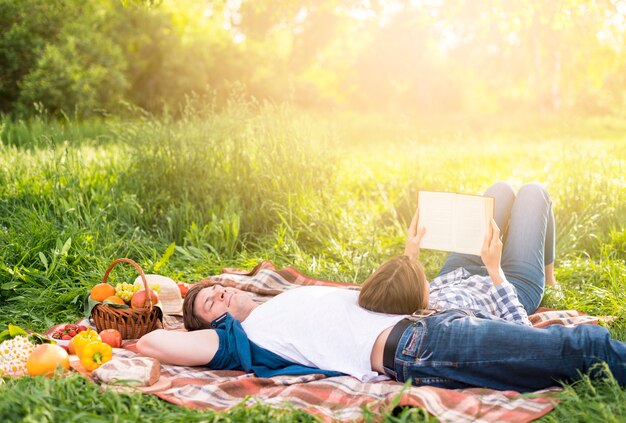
343, 398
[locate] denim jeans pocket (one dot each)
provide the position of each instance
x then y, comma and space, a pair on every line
414, 361
411, 347
425, 346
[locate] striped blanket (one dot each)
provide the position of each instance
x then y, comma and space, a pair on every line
342, 398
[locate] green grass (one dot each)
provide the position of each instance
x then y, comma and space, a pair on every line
76, 399
331, 195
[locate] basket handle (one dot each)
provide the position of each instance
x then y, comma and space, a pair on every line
138, 268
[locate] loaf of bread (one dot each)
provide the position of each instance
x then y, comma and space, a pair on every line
138, 371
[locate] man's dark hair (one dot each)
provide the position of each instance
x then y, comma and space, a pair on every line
191, 321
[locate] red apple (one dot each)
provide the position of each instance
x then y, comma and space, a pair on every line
184, 287
111, 337
139, 297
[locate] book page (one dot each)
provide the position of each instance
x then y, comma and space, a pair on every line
437, 216
454, 222
472, 222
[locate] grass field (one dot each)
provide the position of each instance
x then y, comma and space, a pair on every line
331, 195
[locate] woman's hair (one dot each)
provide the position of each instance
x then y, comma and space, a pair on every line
398, 286
191, 321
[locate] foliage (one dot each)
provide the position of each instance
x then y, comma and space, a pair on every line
455, 57
83, 72
27, 26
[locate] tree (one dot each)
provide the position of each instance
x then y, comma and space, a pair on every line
27, 26
83, 73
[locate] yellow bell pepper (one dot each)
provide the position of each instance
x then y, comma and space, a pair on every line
83, 338
95, 354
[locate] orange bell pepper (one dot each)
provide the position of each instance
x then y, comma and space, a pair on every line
95, 354
83, 338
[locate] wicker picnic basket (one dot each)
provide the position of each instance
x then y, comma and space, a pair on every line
132, 323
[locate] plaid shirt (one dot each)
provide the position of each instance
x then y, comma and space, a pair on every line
459, 289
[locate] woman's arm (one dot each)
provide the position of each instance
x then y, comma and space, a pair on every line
504, 293
195, 348
491, 254
413, 238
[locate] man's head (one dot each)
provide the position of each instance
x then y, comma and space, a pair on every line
206, 302
398, 286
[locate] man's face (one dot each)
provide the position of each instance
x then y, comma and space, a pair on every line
212, 302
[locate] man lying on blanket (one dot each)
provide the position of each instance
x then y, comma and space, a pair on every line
325, 328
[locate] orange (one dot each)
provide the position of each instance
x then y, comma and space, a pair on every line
45, 359
102, 291
115, 299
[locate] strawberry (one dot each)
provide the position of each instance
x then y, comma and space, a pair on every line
56, 335
66, 337
72, 333
81, 328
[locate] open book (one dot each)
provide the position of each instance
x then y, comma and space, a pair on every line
454, 222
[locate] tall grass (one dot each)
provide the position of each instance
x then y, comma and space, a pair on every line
331, 195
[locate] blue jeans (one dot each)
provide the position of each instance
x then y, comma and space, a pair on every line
526, 223
455, 349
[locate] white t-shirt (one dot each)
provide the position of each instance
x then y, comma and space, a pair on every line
321, 327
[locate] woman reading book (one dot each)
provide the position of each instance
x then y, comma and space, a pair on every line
509, 285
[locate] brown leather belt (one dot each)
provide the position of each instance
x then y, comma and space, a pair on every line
391, 345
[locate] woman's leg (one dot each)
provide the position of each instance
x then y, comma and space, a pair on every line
549, 270
550, 250
529, 246
505, 196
